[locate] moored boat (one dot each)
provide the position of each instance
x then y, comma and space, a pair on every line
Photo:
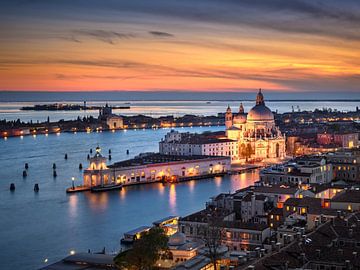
105, 187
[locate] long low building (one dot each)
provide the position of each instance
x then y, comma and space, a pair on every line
153, 167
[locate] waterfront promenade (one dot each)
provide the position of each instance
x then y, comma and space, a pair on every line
50, 223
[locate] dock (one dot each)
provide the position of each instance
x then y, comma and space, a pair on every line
77, 189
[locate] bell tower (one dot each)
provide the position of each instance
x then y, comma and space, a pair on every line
228, 118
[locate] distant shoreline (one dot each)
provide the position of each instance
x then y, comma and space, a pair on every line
196, 100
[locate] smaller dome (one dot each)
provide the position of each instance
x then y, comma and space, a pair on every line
240, 118
177, 239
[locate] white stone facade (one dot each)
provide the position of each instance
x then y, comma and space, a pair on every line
257, 135
139, 171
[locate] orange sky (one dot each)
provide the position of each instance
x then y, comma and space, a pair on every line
136, 48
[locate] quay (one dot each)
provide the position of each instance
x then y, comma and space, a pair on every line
77, 189
151, 168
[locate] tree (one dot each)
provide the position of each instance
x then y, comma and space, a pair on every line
145, 252
212, 235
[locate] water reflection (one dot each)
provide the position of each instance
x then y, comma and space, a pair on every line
217, 181
98, 201
191, 186
73, 205
172, 198
161, 189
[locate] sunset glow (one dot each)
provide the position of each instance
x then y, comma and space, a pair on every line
181, 45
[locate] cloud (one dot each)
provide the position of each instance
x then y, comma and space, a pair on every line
110, 37
160, 34
60, 76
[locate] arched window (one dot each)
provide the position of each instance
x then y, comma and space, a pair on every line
277, 150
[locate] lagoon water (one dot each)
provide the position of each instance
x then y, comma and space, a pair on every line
11, 110
50, 223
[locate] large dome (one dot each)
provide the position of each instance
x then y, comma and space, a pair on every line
260, 113
177, 239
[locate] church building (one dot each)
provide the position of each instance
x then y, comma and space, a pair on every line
257, 135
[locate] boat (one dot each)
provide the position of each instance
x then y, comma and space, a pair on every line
105, 187
131, 236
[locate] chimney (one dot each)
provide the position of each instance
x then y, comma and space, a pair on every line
316, 223
354, 254
351, 232
347, 264
303, 258
338, 213
272, 244
257, 250
340, 252
285, 238
318, 253
334, 243
278, 245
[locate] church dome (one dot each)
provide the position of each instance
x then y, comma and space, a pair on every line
240, 118
260, 112
177, 239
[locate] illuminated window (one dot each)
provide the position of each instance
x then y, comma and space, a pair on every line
294, 208
287, 208
303, 210
349, 207
272, 216
271, 225
277, 218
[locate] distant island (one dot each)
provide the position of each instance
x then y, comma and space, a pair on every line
66, 107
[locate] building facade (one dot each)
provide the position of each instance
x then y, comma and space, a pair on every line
301, 170
346, 164
248, 137
257, 135
207, 144
150, 167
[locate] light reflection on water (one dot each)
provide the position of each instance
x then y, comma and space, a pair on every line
52, 223
172, 199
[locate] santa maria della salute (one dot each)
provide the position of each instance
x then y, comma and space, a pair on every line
251, 136
256, 133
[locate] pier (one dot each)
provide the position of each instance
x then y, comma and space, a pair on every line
77, 189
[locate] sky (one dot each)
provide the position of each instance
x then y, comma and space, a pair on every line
180, 45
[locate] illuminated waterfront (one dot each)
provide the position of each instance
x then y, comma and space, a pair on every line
49, 224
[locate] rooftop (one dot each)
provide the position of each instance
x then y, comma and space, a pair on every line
351, 196
84, 261
156, 158
324, 247
275, 189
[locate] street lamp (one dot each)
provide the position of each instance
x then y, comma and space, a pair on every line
73, 180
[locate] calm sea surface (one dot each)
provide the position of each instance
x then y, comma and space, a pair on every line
11, 110
50, 223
